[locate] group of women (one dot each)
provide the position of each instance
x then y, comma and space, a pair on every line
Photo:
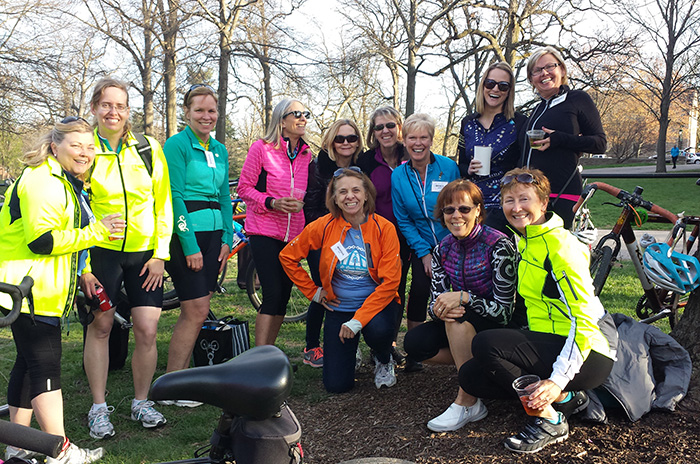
361, 219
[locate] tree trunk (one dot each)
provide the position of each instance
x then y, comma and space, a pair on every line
687, 333
169, 68
224, 60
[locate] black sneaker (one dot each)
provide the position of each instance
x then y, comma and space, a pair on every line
412, 365
578, 402
537, 434
399, 359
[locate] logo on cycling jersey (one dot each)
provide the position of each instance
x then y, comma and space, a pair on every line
182, 224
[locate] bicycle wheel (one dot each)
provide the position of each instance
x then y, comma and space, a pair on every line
170, 299
220, 281
298, 304
601, 263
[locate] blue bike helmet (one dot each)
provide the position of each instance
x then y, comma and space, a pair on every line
671, 270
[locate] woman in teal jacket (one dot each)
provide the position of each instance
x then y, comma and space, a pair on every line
45, 222
203, 228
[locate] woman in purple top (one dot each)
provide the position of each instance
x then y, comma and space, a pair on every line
385, 153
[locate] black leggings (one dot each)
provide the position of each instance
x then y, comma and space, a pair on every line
37, 367
503, 355
276, 285
419, 294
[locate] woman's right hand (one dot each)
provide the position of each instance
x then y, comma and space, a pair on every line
287, 205
474, 166
88, 284
115, 225
195, 261
427, 263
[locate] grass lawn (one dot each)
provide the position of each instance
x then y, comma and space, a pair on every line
675, 194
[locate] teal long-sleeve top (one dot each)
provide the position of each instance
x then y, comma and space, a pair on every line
194, 178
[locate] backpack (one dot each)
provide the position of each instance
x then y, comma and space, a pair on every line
145, 151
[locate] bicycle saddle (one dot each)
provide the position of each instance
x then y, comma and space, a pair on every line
254, 384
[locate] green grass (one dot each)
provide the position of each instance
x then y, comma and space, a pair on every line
675, 194
188, 429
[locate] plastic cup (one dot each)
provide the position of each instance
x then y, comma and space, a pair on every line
524, 386
483, 155
535, 134
298, 194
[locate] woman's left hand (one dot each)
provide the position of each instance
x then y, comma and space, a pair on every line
546, 142
223, 256
345, 333
427, 262
155, 268
544, 394
447, 306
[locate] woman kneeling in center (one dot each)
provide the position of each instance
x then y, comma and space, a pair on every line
360, 274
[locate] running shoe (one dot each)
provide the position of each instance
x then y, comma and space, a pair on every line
145, 413
456, 416
75, 455
384, 375
99, 423
537, 434
314, 357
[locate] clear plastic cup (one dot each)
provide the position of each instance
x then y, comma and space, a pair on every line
533, 135
524, 386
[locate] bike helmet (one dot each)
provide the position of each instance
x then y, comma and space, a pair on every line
671, 270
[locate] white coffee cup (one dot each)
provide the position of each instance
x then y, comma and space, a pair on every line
483, 155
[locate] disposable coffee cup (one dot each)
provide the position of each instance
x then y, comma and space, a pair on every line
483, 155
524, 386
533, 135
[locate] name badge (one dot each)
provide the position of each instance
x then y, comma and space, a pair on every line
210, 159
339, 251
558, 100
438, 185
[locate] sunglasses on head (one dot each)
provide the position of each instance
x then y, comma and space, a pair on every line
342, 138
463, 209
389, 125
298, 114
524, 178
341, 171
196, 86
503, 86
70, 119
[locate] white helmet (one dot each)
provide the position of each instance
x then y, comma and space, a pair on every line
671, 270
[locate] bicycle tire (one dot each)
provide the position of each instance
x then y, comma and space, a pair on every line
297, 307
170, 298
601, 263
220, 281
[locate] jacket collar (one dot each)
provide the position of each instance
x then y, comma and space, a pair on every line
552, 222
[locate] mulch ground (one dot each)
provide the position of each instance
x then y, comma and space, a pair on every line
391, 423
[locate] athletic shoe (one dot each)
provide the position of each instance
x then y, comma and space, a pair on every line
384, 375
145, 413
20, 453
180, 403
537, 434
99, 423
75, 455
314, 357
578, 402
399, 358
455, 417
412, 365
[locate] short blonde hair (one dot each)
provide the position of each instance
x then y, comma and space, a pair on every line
42, 149
418, 121
539, 53
327, 142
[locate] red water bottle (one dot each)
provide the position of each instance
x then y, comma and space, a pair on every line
105, 302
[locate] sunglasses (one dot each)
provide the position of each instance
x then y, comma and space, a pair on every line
503, 86
298, 114
341, 171
342, 138
524, 178
463, 209
196, 86
70, 119
380, 127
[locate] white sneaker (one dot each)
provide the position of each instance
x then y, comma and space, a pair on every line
456, 416
145, 413
99, 424
180, 403
21, 453
384, 375
75, 455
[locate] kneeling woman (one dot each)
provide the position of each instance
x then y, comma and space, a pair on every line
360, 274
571, 340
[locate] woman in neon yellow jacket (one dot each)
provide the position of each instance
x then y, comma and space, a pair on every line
130, 177
45, 222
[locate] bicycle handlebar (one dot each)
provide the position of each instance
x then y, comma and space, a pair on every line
17, 293
625, 197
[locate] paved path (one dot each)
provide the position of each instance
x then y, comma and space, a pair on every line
649, 169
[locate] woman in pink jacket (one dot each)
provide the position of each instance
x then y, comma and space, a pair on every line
273, 184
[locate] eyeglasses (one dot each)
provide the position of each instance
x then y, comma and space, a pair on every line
196, 86
70, 119
463, 209
298, 114
342, 138
380, 127
548, 67
109, 107
503, 86
524, 178
341, 171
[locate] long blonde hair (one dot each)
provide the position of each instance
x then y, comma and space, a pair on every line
42, 149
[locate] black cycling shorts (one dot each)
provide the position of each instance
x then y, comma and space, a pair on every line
114, 268
189, 284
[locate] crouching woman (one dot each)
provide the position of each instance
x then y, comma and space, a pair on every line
360, 274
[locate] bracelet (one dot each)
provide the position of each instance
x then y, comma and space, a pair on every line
461, 293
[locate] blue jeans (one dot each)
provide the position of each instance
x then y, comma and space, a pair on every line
339, 358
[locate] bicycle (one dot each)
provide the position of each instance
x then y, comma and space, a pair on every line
656, 303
